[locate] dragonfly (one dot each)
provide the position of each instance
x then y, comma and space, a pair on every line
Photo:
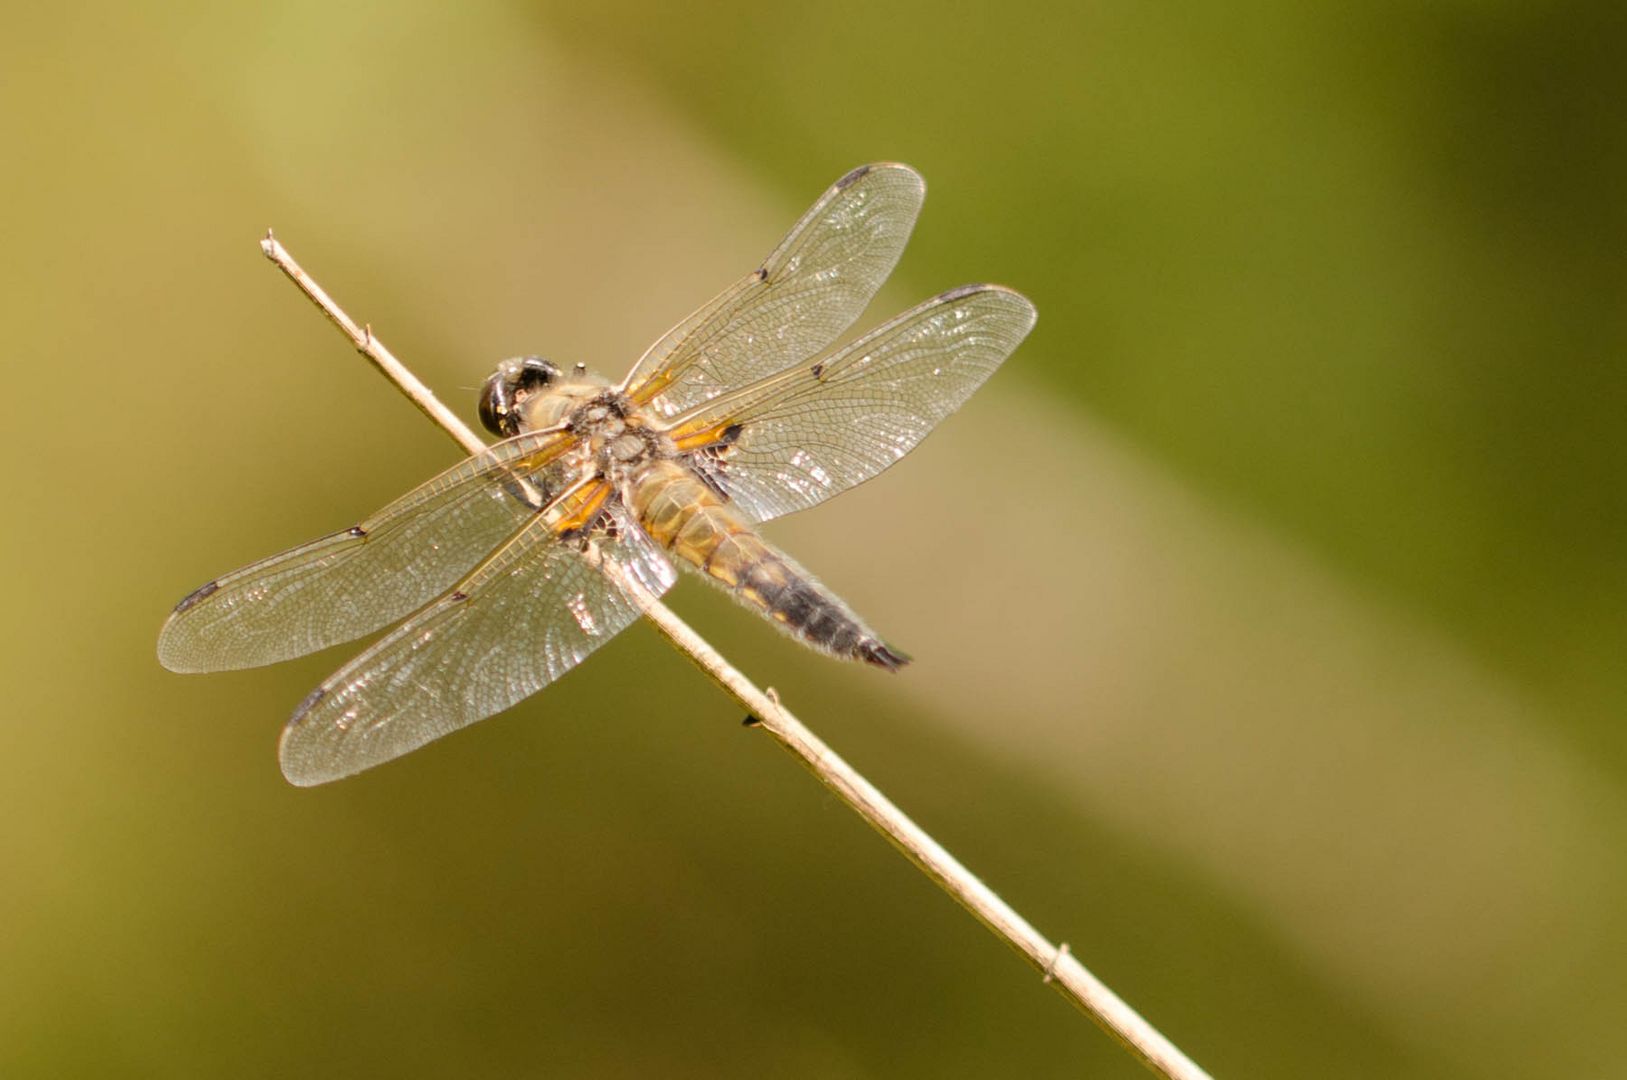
508, 569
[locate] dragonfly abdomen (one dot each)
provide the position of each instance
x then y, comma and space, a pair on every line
689, 519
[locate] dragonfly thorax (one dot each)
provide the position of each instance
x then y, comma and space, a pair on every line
617, 438
533, 394
530, 393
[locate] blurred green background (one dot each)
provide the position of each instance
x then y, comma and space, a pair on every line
1269, 605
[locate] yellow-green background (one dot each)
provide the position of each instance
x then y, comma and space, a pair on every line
1270, 606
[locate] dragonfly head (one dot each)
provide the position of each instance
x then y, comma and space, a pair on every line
507, 389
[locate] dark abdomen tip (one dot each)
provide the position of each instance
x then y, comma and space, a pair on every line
877, 653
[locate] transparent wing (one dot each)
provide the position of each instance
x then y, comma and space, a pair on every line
522, 619
354, 582
795, 439
800, 300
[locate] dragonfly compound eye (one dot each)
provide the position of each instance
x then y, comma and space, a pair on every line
497, 405
536, 373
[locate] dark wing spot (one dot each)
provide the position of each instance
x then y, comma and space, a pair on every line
961, 293
357, 531
308, 704
195, 595
852, 177
457, 596
730, 434
762, 273
817, 370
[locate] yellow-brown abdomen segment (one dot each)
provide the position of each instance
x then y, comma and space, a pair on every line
695, 525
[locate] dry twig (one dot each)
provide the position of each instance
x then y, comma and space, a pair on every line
1057, 965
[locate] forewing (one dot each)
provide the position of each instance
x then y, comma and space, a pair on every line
805, 294
521, 620
795, 439
354, 582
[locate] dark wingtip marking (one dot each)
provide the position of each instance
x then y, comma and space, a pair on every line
851, 177
750, 721
762, 273
196, 595
817, 370
877, 653
357, 531
458, 595
961, 293
308, 704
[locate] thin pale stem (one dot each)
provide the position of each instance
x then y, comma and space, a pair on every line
1058, 966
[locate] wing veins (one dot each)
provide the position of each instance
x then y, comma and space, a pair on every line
808, 290
812, 430
523, 617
